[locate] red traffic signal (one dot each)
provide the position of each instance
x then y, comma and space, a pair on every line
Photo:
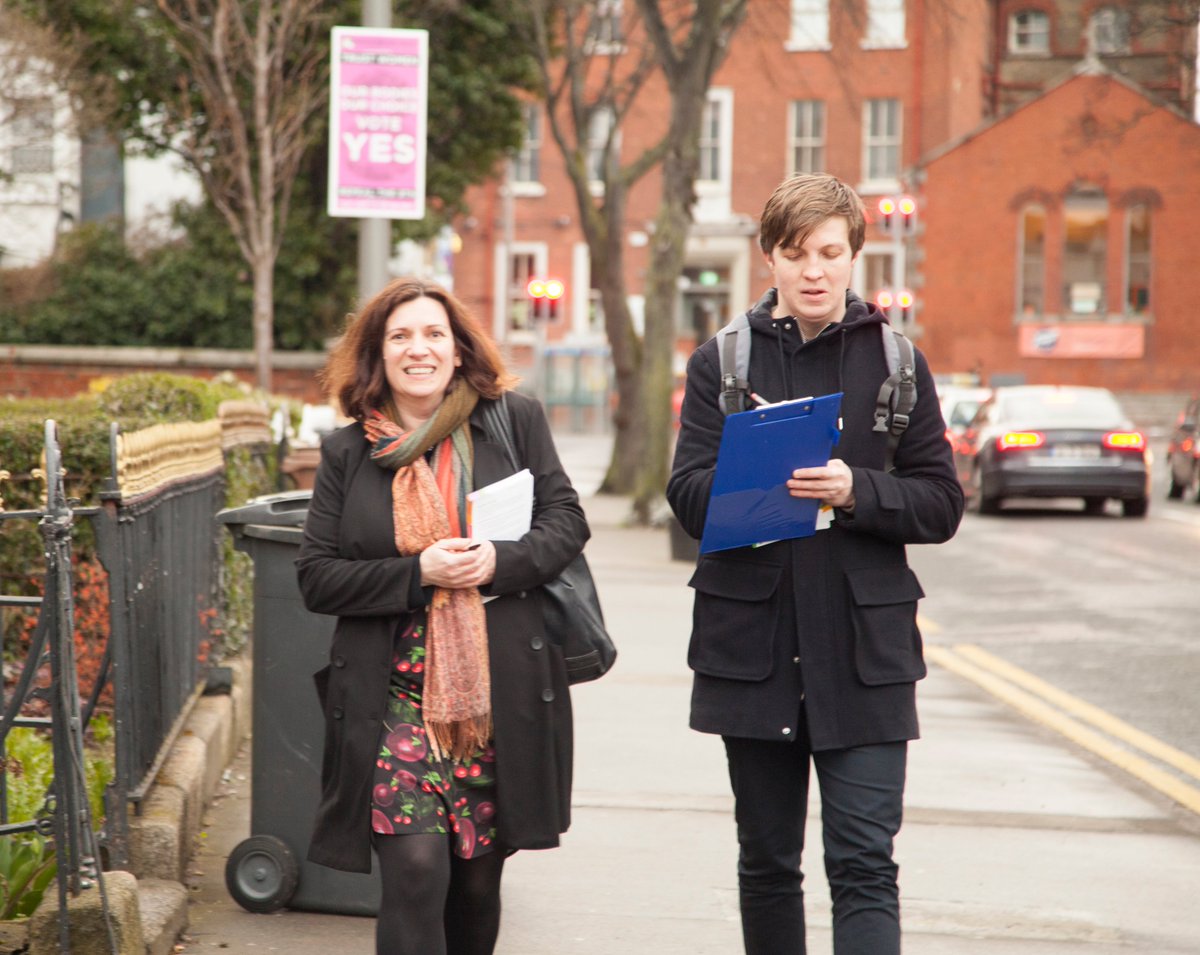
545, 288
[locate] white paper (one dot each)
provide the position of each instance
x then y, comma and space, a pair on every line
502, 511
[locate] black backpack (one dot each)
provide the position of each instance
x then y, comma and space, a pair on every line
897, 395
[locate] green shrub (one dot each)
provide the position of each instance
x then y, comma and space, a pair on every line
27, 862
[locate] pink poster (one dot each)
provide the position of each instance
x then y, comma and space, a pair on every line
377, 103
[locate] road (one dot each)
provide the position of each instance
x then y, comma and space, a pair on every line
1102, 607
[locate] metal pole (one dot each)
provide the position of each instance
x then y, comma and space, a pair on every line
374, 235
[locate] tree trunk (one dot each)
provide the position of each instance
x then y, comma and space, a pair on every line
264, 318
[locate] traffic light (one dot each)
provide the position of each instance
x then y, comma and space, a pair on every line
545, 294
887, 209
889, 206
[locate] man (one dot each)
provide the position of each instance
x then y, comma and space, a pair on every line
808, 649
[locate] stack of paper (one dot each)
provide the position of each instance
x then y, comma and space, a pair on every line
502, 511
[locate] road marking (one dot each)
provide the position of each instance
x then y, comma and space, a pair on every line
1101, 719
1043, 712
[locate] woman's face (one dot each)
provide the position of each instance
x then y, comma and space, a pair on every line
419, 355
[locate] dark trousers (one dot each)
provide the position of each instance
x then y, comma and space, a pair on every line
862, 792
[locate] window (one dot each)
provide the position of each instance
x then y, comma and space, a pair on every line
599, 126
1085, 255
808, 135
1137, 261
524, 263
1031, 297
710, 142
1029, 32
885, 23
881, 139
810, 25
879, 273
604, 31
32, 136
1108, 30
527, 162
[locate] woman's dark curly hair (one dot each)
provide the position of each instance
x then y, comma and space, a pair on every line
354, 374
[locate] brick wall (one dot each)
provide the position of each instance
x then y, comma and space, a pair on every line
48, 371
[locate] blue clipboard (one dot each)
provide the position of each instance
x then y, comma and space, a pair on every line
759, 451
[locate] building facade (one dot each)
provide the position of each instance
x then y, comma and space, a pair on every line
944, 100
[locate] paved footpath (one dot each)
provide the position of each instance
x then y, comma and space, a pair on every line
1015, 842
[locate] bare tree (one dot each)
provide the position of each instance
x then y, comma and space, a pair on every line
258, 69
676, 45
585, 79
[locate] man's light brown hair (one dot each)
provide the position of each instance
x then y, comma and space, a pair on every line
801, 203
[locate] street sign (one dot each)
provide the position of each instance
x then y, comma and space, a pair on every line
377, 123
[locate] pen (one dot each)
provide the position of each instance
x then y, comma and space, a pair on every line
474, 547
758, 398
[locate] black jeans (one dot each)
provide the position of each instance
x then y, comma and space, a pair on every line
862, 792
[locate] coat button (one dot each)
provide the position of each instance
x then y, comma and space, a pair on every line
548, 695
339, 661
537, 643
521, 594
337, 712
786, 731
795, 659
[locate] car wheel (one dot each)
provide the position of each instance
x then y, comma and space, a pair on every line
1135, 507
981, 501
1174, 488
1195, 488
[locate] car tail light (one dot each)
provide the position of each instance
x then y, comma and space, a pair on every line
1125, 440
1186, 445
1020, 439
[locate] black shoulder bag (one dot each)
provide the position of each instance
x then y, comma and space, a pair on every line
570, 604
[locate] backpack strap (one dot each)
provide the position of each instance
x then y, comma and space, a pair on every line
733, 348
898, 394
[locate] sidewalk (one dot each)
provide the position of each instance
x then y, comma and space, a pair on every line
1014, 842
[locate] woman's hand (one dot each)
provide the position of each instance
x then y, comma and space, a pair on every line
458, 562
833, 484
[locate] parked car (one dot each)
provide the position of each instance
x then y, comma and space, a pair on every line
1048, 441
959, 404
1183, 454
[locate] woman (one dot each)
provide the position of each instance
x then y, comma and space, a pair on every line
448, 721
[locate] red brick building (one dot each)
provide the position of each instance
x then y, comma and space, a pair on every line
906, 96
1059, 242
860, 89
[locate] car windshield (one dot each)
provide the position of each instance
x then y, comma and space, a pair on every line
1063, 407
961, 412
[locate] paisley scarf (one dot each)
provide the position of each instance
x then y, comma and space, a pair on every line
428, 504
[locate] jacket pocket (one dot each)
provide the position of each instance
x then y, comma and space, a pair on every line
735, 618
887, 643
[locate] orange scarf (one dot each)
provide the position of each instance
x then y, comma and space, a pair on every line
428, 504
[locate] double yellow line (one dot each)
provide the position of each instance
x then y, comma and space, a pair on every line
1091, 727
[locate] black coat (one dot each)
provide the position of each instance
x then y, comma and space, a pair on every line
348, 567
818, 631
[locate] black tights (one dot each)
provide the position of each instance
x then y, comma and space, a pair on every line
435, 903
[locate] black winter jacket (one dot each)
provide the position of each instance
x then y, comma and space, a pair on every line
348, 567
817, 634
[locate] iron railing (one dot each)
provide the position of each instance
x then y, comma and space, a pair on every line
65, 814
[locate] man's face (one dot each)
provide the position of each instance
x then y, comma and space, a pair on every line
812, 279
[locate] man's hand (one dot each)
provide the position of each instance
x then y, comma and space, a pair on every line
833, 484
458, 562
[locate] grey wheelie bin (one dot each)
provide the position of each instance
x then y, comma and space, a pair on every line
268, 870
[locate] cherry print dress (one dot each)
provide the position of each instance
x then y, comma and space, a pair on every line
415, 791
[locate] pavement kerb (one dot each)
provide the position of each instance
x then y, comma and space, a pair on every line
148, 904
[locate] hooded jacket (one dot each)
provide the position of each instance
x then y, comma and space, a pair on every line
816, 634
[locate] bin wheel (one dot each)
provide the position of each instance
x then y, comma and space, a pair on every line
261, 874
